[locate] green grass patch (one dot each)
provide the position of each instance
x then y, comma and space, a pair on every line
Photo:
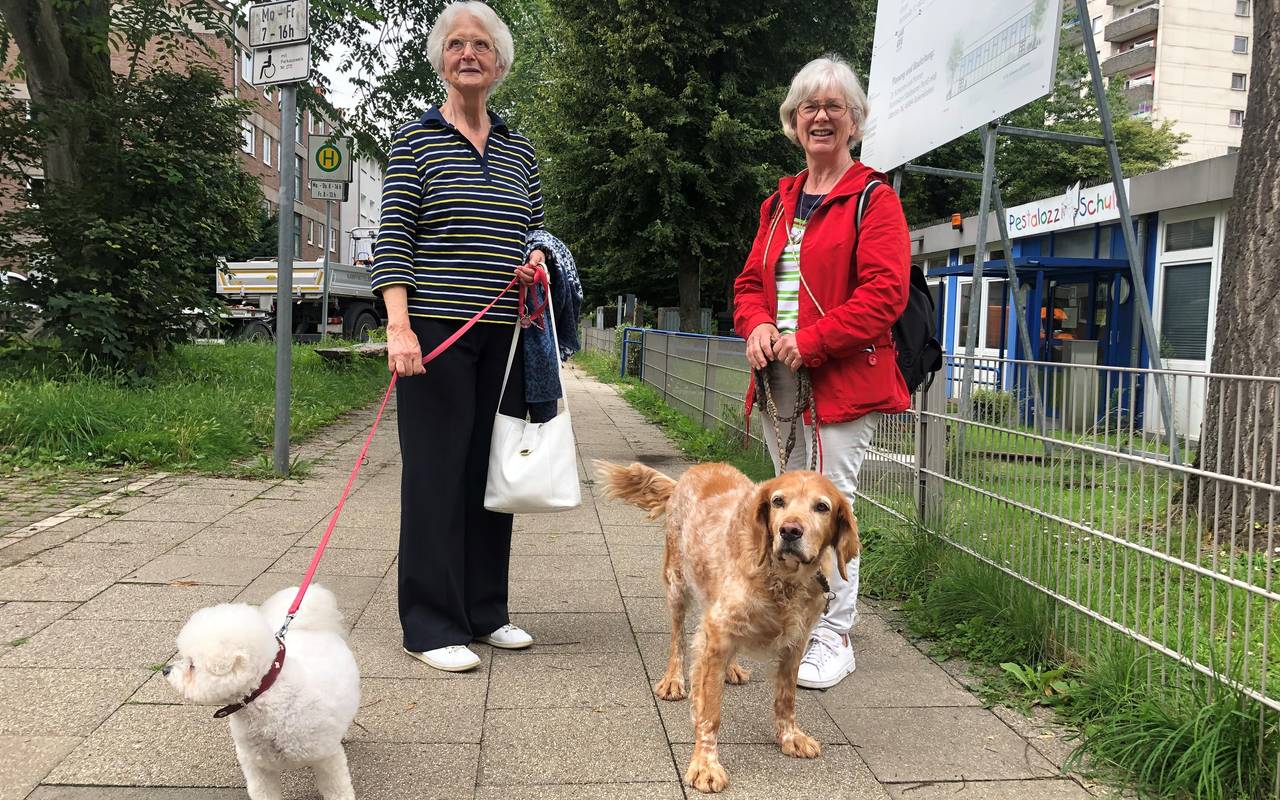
20, 642
699, 443
205, 408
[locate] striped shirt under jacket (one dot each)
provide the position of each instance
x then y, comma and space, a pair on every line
453, 221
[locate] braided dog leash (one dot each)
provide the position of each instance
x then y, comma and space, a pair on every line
804, 400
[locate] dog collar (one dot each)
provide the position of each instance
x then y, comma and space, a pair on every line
267, 681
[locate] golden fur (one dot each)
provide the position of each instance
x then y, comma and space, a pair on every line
758, 589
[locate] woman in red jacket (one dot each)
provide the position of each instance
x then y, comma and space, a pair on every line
817, 294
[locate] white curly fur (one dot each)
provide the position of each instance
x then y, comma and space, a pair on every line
223, 653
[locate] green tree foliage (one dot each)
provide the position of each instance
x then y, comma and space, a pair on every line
1033, 168
658, 128
118, 259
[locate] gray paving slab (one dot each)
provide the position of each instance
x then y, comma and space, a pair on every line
574, 745
763, 772
216, 570
117, 558
233, 542
746, 715
179, 512
32, 582
132, 793
428, 710
572, 680
144, 745
95, 643
400, 771
19, 620
337, 561
27, 759
150, 602
156, 691
538, 594
382, 611
940, 744
580, 791
568, 522
273, 515
650, 615
143, 532
353, 592
558, 544
345, 534
569, 567
893, 673
558, 633
62, 702
1044, 789
650, 535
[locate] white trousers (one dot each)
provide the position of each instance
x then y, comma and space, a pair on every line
844, 447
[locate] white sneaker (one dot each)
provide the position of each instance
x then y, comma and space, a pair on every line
454, 658
508, 637
827, 661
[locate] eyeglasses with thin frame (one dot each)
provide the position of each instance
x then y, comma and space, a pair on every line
478, 46
834, 108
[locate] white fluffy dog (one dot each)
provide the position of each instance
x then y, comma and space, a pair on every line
224, 652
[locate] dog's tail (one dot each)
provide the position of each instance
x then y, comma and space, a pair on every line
319, 610
638, 485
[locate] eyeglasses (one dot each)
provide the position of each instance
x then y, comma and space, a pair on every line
835, 109
478, 46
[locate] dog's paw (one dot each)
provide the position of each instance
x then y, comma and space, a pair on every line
736, 674
706, 776
800, 745
671, 688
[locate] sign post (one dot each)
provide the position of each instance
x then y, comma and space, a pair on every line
279, 36
329, 165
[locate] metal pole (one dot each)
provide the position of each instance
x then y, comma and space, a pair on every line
284, 277
324, 303
1130, 240
979, 256
1020, 311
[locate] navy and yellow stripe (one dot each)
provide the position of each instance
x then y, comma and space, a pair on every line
454, 221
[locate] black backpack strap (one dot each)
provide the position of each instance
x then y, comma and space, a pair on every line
863, 200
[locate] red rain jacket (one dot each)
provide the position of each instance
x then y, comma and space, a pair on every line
860, 282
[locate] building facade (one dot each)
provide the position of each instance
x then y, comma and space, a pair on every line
361, 212
1074, 280
1185, 61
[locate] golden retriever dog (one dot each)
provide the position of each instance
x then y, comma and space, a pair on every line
752, 556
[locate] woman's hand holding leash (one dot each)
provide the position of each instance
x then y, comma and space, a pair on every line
786, 351
527, 272
760, 345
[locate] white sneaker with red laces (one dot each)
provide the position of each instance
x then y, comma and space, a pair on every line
508, 637
827, 661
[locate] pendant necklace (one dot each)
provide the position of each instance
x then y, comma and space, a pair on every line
794, 236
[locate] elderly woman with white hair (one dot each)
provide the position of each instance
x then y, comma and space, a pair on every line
460, 195
816, 300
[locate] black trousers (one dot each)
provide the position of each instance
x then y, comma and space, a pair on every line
454, 554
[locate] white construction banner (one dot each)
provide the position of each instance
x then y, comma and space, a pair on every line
942, 68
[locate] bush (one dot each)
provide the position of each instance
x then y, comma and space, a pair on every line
992, 407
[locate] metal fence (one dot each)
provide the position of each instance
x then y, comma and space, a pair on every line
1162, 531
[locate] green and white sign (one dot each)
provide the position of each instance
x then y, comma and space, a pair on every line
330, 159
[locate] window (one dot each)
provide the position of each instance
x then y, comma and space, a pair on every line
297, 129
268, 145
1235, 118
268, 93
1097, 24
1140, 80
1145, 41
1189, 235
963, 336
333, 240
997, 296
1241, 45
1239, 81
297, 176
1242, 8
248, 136
311, 231
1184, 321
1073, 244
297, 235
246, 66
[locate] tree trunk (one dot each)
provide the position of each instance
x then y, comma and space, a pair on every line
66, 57
1239, 433
690, 297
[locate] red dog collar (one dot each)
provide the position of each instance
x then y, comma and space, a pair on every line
267, 681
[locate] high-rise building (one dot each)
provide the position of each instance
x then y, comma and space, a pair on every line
1185, 61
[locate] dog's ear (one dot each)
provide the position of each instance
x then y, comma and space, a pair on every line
224, 663
760, 518
846, 543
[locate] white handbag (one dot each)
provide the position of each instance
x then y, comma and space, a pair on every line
533, 466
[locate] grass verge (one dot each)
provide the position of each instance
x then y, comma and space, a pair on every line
1146, 724
206, 408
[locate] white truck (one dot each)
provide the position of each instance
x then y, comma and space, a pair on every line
249, 289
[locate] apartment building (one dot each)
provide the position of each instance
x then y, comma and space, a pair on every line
1185, 61
361, 211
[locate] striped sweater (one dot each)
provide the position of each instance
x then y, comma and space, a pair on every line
453, 221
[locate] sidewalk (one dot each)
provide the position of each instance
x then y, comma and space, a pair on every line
89, 608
